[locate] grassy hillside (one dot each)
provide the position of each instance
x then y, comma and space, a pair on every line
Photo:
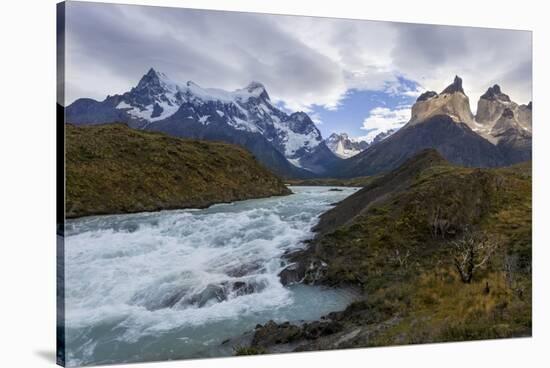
441, 253
114, 169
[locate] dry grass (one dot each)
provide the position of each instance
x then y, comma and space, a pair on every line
424, 290
114, 169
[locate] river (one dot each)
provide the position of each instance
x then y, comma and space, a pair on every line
177, 284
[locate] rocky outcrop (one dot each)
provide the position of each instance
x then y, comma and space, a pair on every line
525, 115
454, 87
513, 138
275, 335
497, 113
452, 101
304, 269
426, 96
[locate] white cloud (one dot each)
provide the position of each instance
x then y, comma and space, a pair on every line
315, 117
433, 55
302, 61
382, 119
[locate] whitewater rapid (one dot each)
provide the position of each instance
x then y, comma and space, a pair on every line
176, 284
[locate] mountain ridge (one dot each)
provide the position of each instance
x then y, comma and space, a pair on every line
445, 122
291, 145
157, 103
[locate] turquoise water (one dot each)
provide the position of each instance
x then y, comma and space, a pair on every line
176, 284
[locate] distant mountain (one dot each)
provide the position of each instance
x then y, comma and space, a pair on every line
381, 136
343, 146
505, 123
114, 169
289, 144
445, 122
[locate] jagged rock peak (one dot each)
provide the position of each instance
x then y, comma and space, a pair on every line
299, 115
456, 105
494, 93
152, 72
456, 86
257, 89
254, 85
152, 76
426, 96
530, 105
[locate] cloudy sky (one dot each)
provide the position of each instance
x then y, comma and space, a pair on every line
351, 76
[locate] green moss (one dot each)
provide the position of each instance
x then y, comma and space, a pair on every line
114, 169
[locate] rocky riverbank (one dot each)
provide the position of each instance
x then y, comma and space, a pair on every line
406, 240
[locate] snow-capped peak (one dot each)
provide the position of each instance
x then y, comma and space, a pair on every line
300, 116
157, 97
345, 147
155, 84
255, 87
157, 81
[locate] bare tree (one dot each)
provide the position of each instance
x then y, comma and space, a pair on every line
471, 253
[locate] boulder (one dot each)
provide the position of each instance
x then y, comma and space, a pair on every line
292, 274
273, 333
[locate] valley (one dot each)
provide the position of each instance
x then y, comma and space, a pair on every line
421, 235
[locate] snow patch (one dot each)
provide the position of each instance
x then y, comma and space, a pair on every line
124, 105
293, 141
203, 119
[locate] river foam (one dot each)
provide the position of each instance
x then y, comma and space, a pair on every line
174, 284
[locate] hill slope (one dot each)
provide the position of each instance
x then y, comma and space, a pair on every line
114, 169
455, 141
402, 240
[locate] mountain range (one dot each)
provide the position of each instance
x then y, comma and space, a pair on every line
288, 144
291, 145
345, 146
499, 134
